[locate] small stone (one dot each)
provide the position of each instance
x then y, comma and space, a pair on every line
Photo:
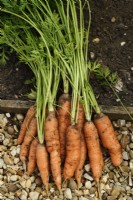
75, 198
113, 19
68, 193
8, 115
125, 155
83, 198
12, 187
38, 181
14, 177
2, 137
14, 152
125, 141
131, 145
6, 142
10, 130
131, 154
88, 184
87, 176
115, 192
34, 195
1, 171
28, 183
78, 193
52, 190
93, 190
123, 43
23, 183
16, 160
96, 40
72, 184
1, 163
1, 182
20, 117
8, 160
92, 55
87, 167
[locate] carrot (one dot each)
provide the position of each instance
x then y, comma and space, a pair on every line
29, 115
73, 145
94, 150
81, 117
109, 138
43, 164
63, 122
55, 163
53, 147
30, 134
83, 152
51, 132
32, 156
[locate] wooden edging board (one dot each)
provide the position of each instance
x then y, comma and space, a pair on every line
17, 106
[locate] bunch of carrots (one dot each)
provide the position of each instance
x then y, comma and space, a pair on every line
57, 134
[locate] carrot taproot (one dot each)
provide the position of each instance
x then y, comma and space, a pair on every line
64, 121
94, 150
32, 157
55, 164
29, 115
30, 134
51, 132
73, 145
43, 164
83, 152
81, 117
109, 138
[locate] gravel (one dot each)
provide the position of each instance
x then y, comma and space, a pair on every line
15, 184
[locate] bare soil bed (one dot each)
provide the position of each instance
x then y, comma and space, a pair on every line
111, 41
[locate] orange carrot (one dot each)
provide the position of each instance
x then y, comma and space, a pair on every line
63, 122
32, 156
30, 134
51, 132
53, 147
94, 150
79, 125
109, 138
83, 152
55, 163
81, 117
43, 164
29, 115
73, 145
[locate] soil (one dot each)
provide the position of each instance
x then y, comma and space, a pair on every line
112, 24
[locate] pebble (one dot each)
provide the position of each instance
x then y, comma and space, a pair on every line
87, 167
113, 19
16, 160
8, 160
68, 193
14, 152
123, 43
12, 187
2, 137
10, 130
1, 162
88, 184
28, 183
14, 177
34, 195
19, 117
131, 154
6, 142
88, 177
125, 155
8, 115
78, 193
72, 184
96, 40
115, 192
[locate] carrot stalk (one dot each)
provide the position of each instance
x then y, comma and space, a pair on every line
32, 157
94, 150
73, 145
29, 115
43, 164
109, 138
64, 121
30, 134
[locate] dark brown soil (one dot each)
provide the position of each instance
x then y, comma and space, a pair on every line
112, 23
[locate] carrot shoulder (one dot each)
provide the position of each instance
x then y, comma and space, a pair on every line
32, 156
43, 164
109, 138
73, 145
63, 122
94, 150
30, 134
29, 115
